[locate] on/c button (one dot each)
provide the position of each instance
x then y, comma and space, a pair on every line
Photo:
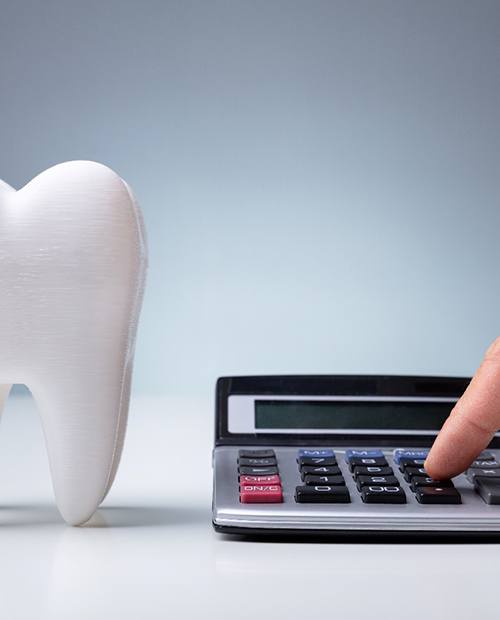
261, 494
260, 480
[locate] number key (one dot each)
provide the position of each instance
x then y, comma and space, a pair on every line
320, 471
323, 494
366, 481
324, 480
372, 471
363, 461
317, 461
383, 495
410, 472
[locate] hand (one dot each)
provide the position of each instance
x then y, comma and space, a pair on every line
472, 423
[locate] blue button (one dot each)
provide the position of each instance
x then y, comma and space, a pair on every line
370, 454
411, 454
310, 452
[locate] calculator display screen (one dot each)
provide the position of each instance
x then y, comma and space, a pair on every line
376, 415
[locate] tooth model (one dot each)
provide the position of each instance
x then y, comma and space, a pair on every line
72, 269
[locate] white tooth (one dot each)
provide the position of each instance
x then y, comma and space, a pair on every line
72, 267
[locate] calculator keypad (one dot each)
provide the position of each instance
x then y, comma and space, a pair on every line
374, 478
259, 479
324, 482
322, 479
426, 489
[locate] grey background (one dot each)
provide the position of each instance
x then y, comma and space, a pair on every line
320, 180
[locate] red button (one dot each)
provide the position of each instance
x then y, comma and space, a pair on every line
264, 480
261, 494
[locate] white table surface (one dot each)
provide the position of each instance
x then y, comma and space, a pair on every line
151, 552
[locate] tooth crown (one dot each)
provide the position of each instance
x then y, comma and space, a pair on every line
72, 271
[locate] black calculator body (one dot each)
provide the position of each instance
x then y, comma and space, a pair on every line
343, 455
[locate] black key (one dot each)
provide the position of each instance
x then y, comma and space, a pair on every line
475, 472
406, 461
253, 462
320, 471
410, 472
367, 461
489, 489
372, 471
258, 471
324, 480
425, 481
486, 464
438, 495
383, 495
322, 494
256, 454
367, 481
486, 456
316, 461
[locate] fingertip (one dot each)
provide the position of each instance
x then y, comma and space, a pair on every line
436, 469
433, 469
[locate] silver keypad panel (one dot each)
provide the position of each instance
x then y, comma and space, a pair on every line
475, 488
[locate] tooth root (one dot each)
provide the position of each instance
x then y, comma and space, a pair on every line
84, 419
122, 427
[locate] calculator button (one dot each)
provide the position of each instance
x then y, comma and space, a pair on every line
414, 454
349, 454
258, 471
414, 471
324, 480
425, 481
406, 461
372, 471
367, 481
322, 494
311, 452
261, 494
474, 472
320, 471
256, 454
253, 462
316, 460
378, 494
366, 461
486, 464
486, 456
489, 490
262, 480
438, 495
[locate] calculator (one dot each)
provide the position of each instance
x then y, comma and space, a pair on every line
341, 454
